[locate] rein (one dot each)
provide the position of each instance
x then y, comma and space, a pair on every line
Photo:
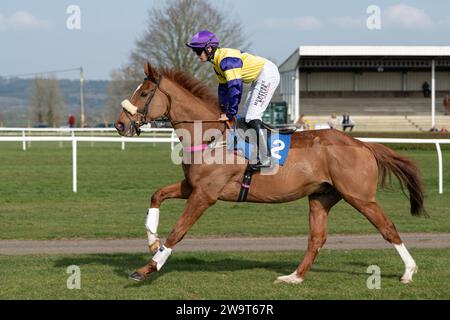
143, 114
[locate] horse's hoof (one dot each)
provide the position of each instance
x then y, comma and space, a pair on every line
402, 280
292, 278
407, 277
136, 276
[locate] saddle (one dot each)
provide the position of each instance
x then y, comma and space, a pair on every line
290, 129
279, 140
241, 126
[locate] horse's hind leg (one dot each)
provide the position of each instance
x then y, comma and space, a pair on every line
319, 206
179, 190
373, 212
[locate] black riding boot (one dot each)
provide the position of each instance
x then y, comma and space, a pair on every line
263, 153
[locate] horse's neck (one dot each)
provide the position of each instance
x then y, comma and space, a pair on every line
186, 109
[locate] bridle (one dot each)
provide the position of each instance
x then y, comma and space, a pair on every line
143, 114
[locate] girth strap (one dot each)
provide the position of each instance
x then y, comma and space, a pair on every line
245, 186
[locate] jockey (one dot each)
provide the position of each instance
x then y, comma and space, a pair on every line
233, 68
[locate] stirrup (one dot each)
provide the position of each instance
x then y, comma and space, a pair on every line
262, 164
262, 146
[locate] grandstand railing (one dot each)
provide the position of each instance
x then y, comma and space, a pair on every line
172, 139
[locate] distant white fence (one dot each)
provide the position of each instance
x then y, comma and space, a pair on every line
172, 139
72, 132
436, 142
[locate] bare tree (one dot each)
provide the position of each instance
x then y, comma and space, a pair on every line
169, 28
170, 25
47, 101
38, 100
55, 103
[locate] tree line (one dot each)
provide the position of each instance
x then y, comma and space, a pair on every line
47, 103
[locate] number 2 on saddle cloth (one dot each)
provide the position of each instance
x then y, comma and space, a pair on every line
279, 144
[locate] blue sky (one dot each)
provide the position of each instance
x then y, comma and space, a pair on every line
34, 37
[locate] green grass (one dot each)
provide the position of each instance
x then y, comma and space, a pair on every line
335, 275
114, 188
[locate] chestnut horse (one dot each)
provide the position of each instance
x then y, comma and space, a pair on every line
324, 165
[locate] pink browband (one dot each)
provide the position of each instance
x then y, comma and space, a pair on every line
196, 148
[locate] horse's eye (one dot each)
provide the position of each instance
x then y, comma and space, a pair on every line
144, 94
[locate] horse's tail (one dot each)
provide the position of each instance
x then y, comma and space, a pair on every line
405, 170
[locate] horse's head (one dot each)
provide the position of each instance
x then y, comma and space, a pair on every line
148, 103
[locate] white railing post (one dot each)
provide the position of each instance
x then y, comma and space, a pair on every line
123, 143
433, 94
154, 143
74, 163
61, 142
29, 142
172, 144
440, 168
24, 143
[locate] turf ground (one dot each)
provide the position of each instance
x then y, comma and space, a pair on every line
114, 188
337, 274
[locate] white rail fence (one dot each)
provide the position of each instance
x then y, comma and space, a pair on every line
172, 139
29, 132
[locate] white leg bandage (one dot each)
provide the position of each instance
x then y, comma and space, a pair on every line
410, 264
406, 257
161, 256
151, 224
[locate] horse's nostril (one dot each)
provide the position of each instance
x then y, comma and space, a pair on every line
119, 126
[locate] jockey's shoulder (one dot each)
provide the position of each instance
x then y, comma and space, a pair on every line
229, 52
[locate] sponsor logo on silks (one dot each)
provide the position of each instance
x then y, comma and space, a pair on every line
262, 93
279, 146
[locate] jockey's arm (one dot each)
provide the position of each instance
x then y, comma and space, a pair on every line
234, 95
232, 69
223, 97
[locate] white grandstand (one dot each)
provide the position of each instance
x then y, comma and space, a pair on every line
380, 86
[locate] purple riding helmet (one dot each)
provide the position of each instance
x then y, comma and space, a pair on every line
202, 40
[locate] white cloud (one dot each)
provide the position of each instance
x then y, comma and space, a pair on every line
299, 23
22, 20
307, 23
349, 22
407, 17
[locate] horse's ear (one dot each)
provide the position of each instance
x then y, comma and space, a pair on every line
150, 72
147, 68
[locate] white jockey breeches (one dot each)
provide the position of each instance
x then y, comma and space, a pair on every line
261, 92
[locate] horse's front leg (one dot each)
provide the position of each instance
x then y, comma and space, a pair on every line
198, 202
179, 190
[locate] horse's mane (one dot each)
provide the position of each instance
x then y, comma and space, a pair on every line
196, 87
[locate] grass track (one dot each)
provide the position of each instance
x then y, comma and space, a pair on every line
36, 202
114, 186
335, 275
